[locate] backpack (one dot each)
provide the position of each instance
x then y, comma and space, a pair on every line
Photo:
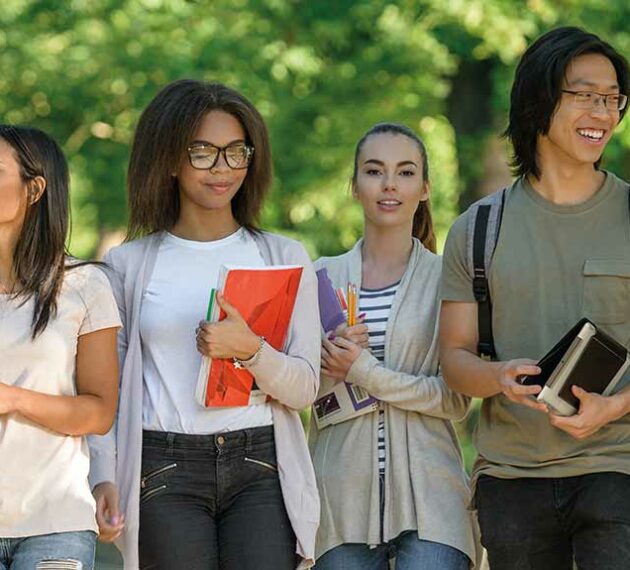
484, 225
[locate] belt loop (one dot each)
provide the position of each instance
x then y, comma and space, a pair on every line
170, 439
248, 440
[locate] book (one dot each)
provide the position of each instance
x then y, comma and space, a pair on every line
585, 357
265, 298
330, 309
343, 401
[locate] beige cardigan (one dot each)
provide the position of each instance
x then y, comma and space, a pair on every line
291, 378
426, 488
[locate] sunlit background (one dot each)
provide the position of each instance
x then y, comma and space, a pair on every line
320, 71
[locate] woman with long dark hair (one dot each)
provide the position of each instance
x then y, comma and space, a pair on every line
58, 363
203, 488
391, 481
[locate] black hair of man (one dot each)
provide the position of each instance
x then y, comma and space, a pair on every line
537, 86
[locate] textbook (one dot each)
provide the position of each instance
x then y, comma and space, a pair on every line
265, 298
585, 357
343, 401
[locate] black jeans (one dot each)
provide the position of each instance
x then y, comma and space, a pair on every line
213, 501
544, 524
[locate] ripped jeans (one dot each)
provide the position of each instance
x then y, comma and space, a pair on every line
58, 551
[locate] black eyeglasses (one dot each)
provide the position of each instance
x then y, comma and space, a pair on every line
589, 99
204, 156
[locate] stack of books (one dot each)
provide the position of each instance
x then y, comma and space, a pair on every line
343, 401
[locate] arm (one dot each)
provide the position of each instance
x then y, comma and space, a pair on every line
346, 360
103, 455
290, 377
103, 448
417, 393
467, 373
93, 409
463, 369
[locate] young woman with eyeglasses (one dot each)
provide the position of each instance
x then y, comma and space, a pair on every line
392, 481
205, 488
58, 363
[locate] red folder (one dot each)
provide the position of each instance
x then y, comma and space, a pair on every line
265, 297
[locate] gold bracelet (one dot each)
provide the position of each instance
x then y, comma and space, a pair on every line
252, 359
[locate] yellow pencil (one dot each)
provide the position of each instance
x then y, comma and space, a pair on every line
352, 304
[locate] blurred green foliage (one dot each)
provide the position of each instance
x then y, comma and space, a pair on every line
321, 72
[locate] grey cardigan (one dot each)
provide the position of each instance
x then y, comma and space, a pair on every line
290, 377
426, 488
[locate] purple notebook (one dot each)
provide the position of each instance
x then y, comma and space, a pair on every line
331, 313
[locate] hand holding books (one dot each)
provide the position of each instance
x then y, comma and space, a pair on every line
341, 345
510, 382
595, 412
261, 301
229, 338
586, 357
338, 355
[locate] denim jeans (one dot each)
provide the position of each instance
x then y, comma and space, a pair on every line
411, 554
213, 501
546, 524
67, 550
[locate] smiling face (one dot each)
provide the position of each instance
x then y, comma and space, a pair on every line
214, 188
389, 180
13, 190
578, 136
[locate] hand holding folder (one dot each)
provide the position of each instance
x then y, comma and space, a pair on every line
265, 298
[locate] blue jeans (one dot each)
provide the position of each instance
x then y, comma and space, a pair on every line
543, 524
71, 550
213, 501
411, 554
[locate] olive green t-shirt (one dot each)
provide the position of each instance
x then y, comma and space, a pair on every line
552, 266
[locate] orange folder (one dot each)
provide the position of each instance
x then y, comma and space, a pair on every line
265, 298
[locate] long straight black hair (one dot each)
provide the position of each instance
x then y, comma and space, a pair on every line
39, 260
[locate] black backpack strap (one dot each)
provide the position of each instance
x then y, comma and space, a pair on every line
484, 224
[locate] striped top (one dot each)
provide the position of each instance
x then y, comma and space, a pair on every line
377, 304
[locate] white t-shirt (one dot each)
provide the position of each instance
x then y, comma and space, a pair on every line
43, 474
174, 302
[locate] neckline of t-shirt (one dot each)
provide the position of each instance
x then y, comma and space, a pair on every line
207, 245
599, 196
381, 289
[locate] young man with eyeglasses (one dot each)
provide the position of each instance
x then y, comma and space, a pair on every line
550, 489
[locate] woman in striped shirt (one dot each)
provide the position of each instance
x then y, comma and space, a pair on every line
391, 482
